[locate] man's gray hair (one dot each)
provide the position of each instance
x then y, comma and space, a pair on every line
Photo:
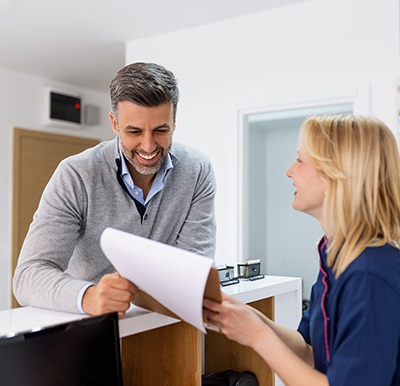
145, 84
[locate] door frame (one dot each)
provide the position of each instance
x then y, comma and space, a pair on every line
358, 95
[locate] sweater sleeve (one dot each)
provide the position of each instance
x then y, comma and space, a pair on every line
40, 279
198, 230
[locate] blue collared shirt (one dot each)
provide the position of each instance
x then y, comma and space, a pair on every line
157, 185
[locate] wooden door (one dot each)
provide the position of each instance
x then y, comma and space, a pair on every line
36, 156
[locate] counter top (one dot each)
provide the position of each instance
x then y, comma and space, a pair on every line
249, 291
138, 320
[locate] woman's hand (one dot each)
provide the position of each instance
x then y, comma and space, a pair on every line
236, 320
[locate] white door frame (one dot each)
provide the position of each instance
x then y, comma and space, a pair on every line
357, 95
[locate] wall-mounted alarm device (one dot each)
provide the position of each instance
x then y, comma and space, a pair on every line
62, 108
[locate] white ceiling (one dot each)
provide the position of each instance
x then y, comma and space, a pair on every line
81, 42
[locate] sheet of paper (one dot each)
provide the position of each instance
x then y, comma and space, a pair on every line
173, 277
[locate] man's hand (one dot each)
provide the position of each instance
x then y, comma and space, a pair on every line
112, 294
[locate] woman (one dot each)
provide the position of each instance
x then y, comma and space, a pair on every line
347, 176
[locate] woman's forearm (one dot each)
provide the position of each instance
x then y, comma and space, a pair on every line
283, 360
291, 338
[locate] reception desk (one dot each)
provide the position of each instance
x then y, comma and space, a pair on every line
158, 350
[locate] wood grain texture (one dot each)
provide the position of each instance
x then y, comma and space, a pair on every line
165, 356
223, 354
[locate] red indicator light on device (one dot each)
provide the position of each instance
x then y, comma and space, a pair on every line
77, 105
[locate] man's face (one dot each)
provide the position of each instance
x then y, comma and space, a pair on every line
145, 135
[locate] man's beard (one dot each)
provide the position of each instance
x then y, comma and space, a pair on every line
143, 168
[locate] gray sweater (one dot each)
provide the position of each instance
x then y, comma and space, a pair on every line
61, 252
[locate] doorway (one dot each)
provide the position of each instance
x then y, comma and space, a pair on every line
282, 238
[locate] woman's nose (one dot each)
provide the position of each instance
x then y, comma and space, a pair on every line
289, 171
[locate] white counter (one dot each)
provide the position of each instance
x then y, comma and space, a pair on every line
286, 290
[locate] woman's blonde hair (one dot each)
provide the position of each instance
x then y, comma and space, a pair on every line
358, 158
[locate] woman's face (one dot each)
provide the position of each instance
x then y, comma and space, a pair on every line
310, 188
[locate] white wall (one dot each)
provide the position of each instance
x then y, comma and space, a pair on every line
21, 105
312, 45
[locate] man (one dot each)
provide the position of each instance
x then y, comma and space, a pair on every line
141, 182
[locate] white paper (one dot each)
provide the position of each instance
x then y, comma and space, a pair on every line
174, 277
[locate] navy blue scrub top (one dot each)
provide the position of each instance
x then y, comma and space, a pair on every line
353, 323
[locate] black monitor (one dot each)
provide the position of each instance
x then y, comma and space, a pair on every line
85, 352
